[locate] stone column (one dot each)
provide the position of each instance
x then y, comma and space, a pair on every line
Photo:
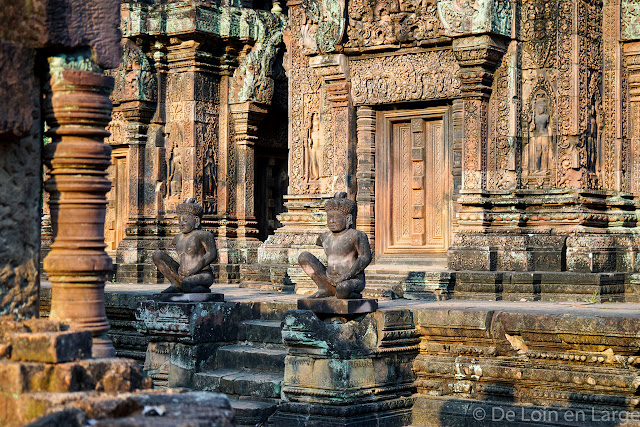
77, 109
365, 172
246, 118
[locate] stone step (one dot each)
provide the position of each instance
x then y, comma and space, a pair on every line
252, 413
260, 331
243, 357
240, 383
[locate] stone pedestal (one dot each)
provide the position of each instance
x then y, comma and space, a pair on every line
348, 373
184, 336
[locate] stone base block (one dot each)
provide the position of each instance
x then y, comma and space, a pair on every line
388, 413
338, 306
50, 347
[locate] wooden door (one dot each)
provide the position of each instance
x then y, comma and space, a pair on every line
117, 208
413, 179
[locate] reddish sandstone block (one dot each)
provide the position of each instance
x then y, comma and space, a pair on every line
50, 347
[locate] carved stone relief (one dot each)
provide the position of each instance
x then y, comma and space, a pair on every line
323, 26
539, 136
135, 78
117, 129
427, 75
475, 16
253, 79
630, 18
389, 22
505, 136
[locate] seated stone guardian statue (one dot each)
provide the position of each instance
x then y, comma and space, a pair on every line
196, 250
348, 253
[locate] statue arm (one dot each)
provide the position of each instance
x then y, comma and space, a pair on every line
210, 255
364, 257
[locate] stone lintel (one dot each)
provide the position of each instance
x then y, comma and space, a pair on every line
211, 297
338, 306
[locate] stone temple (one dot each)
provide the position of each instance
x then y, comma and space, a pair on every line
492, 148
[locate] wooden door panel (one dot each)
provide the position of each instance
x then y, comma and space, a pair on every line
413, 176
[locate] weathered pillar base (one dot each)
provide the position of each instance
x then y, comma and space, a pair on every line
341, 372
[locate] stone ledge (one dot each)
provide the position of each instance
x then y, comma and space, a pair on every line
338, 306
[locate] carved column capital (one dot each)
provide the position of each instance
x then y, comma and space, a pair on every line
334, 70
247, 116
478, 57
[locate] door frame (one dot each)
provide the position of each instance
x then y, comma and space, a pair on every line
382, 206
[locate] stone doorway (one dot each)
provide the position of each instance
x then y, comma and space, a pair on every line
117, 212
413, 186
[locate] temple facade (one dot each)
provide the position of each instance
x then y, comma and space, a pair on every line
495, 137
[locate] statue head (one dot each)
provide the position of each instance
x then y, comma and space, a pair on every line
189, 215
341, 212
540, 106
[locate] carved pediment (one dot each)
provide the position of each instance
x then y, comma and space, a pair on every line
391, 22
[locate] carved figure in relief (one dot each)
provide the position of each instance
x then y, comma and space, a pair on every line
313, 149
348, 253
593, 136
540, 139
323, 27
196, 250
175, 174
210, 174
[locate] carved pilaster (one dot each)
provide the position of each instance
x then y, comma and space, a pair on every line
478, 57
632, 59
247, 116
335, 89
365, 172
77, 110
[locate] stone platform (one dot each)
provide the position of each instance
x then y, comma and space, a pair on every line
508, 358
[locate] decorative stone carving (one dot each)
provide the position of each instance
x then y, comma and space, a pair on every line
314, 149
428, 75
324, 24
253, 80
539, 129
475, 16
135, 78
383, 22
630, 19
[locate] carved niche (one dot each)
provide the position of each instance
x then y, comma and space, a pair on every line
539, 137
426, 75
389, 22
135, 79
324, 24
253, 79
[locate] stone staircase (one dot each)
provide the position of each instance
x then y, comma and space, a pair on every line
250, 372
266, 277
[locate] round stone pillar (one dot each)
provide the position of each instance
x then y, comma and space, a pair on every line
77, 110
